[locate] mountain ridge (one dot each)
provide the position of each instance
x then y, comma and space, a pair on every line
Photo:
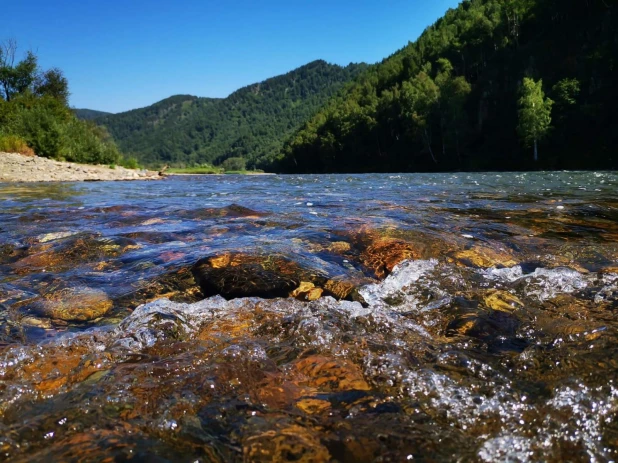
252, 122
89, 114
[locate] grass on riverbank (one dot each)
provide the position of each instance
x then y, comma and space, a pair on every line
210, 170
195, 170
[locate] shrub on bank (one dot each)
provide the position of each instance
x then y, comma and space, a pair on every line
34, 112
234, 164
51, 130
14, 144
129, 163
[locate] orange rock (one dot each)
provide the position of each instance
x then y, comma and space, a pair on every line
339, 289
385, 253
329, 374
290, 443
478, 256
56, 367
313, 406
307, 291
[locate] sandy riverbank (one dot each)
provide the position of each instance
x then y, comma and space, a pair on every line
19, 168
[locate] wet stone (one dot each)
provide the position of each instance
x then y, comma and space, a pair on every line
9, 253
177, 285
329, 374
502, 301
71, 252
384, 254
286, 443
481, 256
307, 291
231, 211
73, 304
485, 326
245, 275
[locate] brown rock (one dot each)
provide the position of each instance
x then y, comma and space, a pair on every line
235, 275
313, 406
307, 291
329, 374
502, 300
338, 289
74, 304
290, 443
479, 256
339, 247
385, 253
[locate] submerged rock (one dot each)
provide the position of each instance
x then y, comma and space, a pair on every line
291, 443
330, 374
307, 291
483, 257
66, 253
73, 304
502, 301
382, 255
485, 326
231, 211
235, 275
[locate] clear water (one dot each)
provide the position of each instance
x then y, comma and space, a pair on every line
494, 340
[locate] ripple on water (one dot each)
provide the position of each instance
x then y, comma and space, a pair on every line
494, 341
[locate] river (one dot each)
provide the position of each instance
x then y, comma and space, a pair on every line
435, 317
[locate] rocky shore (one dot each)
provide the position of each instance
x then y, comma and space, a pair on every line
19, 168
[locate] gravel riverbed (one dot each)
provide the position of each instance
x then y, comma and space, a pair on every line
19, 168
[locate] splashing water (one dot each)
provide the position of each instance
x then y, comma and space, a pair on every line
491, 339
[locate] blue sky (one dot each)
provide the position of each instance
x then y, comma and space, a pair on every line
120, 55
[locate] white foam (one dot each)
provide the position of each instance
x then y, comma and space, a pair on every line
543, 283
404, 275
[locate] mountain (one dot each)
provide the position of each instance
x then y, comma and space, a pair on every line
252, 122
89, 114
452, 99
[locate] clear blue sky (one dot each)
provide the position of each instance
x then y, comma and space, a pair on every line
120, 55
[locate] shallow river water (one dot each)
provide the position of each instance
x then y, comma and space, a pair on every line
349, 318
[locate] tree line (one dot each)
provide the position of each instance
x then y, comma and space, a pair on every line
494, 84
252, 123
35, 117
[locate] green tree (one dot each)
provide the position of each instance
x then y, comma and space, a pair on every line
566, 92
454, 92
419, 99
20, 77
52, 83
534, 114
16, 78
34, 112
235, 163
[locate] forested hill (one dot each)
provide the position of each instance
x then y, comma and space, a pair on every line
88, 114
252, 122
476, 91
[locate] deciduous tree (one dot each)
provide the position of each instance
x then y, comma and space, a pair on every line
19, 77
534, 114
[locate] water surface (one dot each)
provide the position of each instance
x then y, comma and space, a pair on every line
493, 339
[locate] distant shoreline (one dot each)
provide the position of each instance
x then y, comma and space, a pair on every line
179, 174
15, 168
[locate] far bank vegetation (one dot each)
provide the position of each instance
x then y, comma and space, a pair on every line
35, 117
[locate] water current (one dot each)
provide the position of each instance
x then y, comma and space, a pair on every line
348, 318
